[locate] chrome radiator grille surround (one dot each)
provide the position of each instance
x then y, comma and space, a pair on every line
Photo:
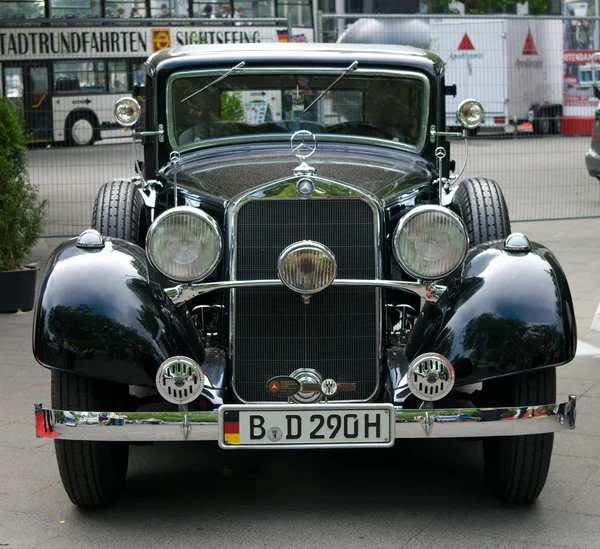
273, 331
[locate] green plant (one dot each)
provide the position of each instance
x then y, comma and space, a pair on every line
21, 212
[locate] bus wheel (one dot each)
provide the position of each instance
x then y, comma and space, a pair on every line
80, 130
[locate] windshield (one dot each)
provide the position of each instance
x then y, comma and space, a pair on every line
386, 107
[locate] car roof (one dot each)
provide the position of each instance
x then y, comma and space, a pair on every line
301, 53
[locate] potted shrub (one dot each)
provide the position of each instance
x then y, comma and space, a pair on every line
21, 215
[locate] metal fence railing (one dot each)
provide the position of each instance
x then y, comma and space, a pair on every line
532, 74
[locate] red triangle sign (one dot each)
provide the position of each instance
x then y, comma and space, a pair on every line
465, 43
529, 46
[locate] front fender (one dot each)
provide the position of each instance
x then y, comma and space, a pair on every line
503, 313
99, 314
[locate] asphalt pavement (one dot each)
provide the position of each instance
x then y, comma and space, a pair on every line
426, 494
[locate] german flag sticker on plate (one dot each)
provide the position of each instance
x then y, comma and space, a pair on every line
231, 427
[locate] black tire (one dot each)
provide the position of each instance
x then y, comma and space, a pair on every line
119, 212
517, 467
481, 205
557, 124
93, 473
544, 124
81, 129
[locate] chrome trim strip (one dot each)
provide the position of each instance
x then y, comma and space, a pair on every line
434, 423
185, 292
418, 147
324, 189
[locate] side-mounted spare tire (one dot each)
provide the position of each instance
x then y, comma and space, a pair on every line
516, 466
481, 205
119, 212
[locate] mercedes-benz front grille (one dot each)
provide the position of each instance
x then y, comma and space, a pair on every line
275, 332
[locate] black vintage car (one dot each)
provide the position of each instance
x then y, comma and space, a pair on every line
294, 265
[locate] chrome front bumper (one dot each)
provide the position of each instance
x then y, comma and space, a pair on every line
423, 423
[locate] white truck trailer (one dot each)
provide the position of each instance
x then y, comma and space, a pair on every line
513, 67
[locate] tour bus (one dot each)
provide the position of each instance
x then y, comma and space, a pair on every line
64, 80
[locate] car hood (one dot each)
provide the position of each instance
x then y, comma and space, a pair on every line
226, 172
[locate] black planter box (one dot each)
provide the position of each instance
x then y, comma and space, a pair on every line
17, 289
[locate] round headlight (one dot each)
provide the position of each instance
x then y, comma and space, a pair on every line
184, 244
470, 114
127, 111
307, 267
430, 242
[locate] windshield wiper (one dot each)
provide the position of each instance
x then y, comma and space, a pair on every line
233, 69
352, 67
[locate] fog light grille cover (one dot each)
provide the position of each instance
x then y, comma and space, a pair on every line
430, 376
179, 380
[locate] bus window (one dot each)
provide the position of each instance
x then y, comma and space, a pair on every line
300, 11
124, 10
73, 8
13, 81
168, 8
140, 76
117, 76
207, 9
25, 8
249, 8
79, 76
39, 85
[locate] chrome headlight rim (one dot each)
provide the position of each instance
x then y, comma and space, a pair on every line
133, 104
461, 114
307, 245
419, 210
190, 211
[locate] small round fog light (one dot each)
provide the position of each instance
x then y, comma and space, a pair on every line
179, 380
127, 111
307, 267
430, 376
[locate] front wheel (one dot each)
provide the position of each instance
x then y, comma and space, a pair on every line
517, 467
93, 473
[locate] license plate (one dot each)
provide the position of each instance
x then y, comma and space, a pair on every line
301, 426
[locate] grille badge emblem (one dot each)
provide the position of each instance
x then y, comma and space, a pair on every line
329, 387
284, 386
305, 187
